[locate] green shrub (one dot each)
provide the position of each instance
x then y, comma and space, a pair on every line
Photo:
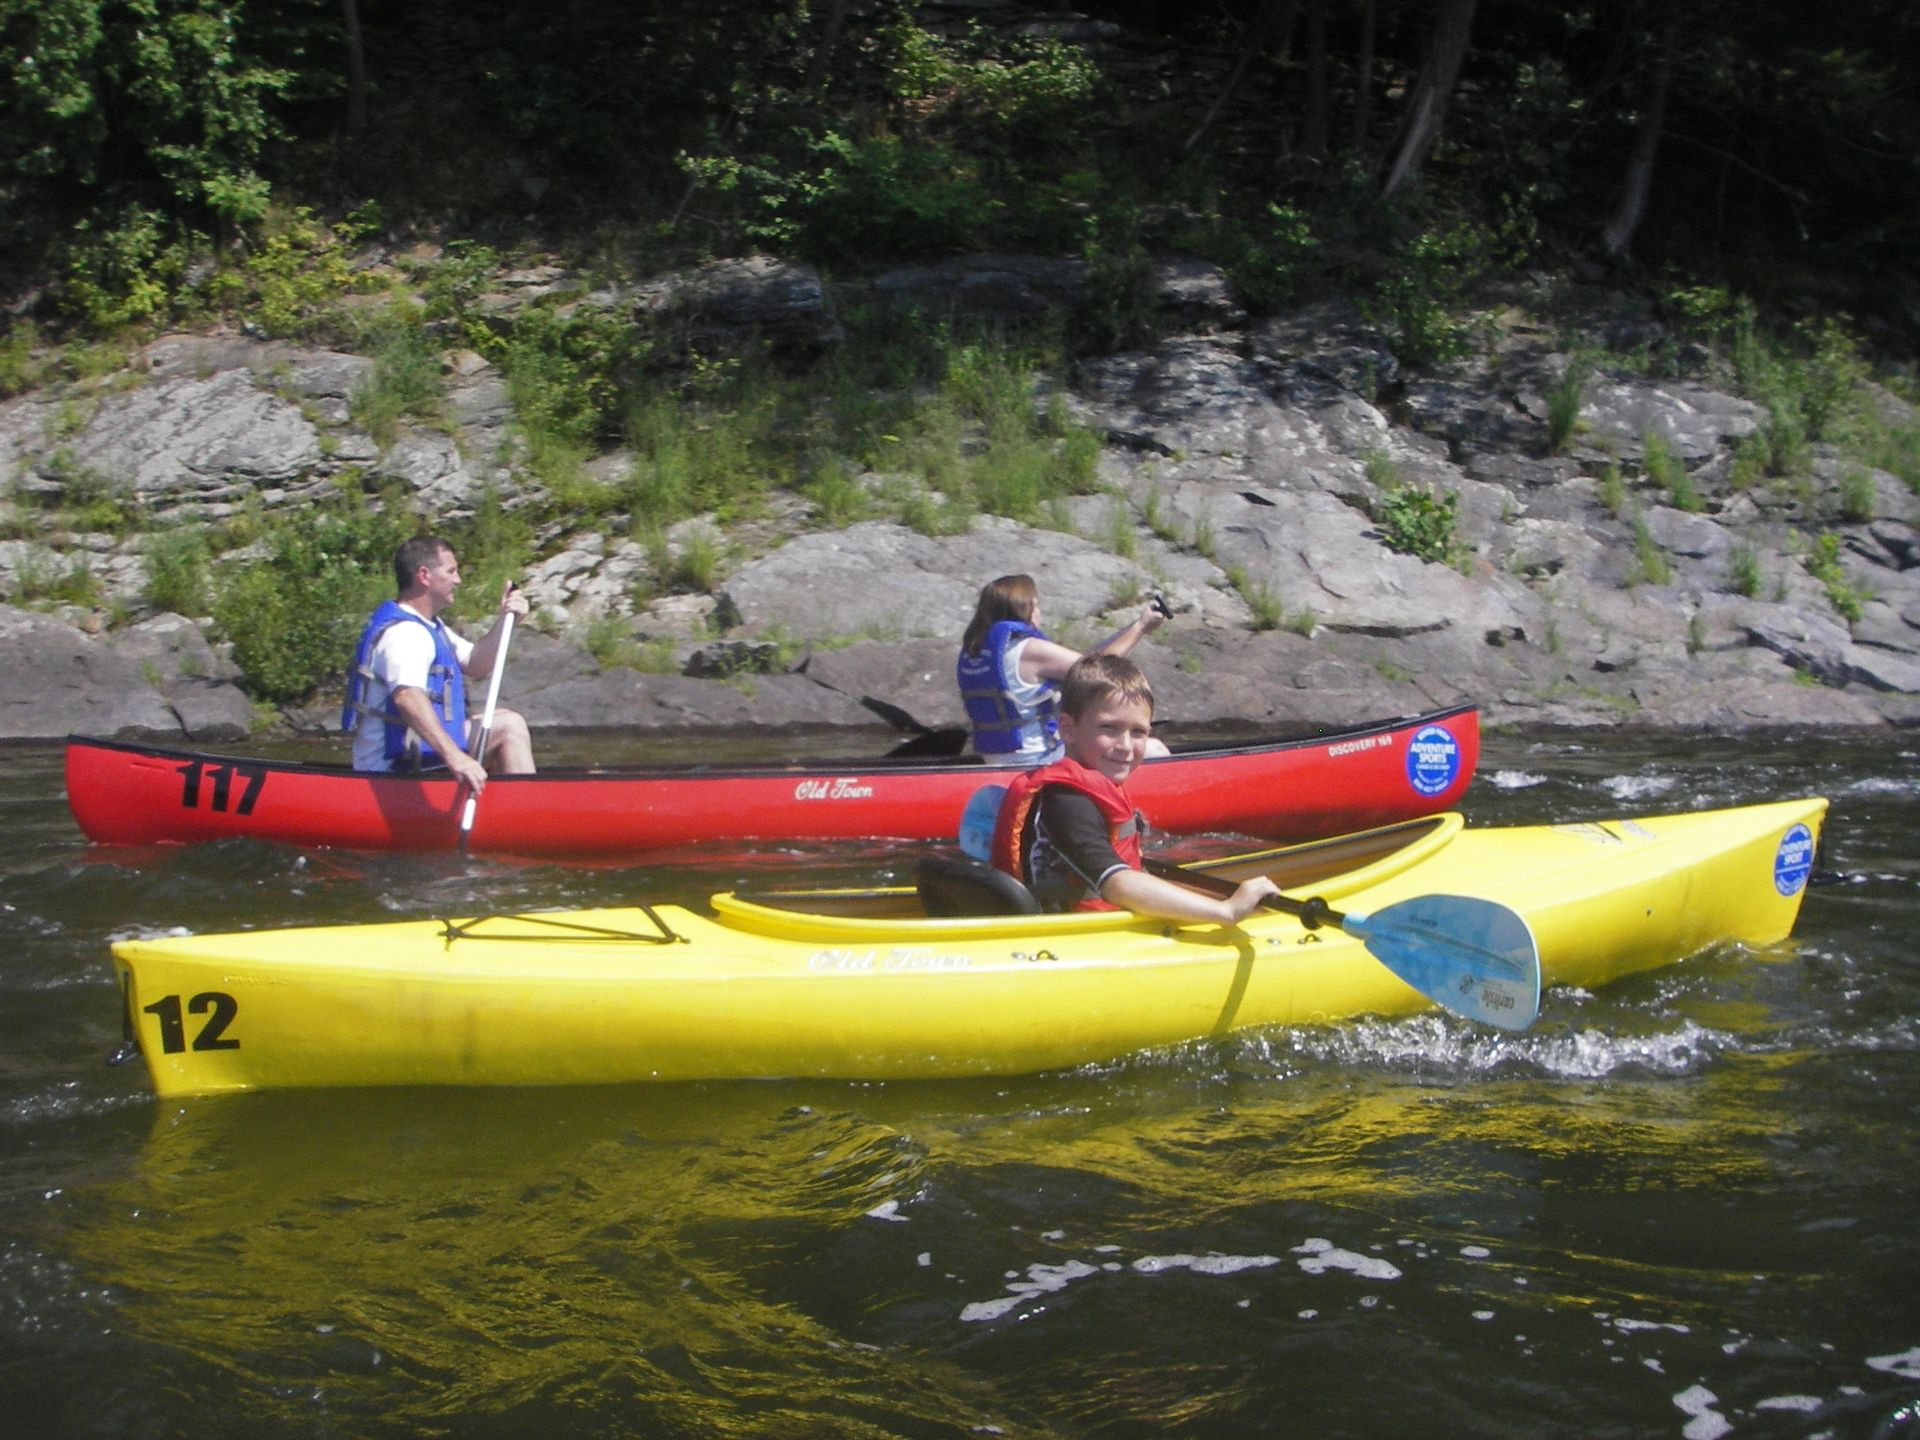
124, 268
1563, 401
1650, 562
406, 378
1417, 521
1419, 305
1269, 260
294, 614
1668, 471
1743, 571
179, 568
1857, 498
1824, 565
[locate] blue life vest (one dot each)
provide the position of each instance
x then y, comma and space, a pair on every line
1003, 724
446, 689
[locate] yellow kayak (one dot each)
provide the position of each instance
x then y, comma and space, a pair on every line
865, 984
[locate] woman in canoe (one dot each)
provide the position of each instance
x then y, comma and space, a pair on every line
1009, 672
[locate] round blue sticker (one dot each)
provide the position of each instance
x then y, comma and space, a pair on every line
1433, 759
1794, 860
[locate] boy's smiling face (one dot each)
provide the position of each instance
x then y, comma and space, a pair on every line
1109, 735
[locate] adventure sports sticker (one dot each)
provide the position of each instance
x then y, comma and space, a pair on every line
1433, 759
1793, 862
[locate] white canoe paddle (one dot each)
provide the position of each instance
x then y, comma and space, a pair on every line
485, 734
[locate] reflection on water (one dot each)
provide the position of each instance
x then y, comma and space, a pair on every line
1682, 1206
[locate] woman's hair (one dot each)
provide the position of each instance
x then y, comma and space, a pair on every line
1011, 597
1094, 678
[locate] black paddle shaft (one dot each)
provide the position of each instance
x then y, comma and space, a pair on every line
1313, 912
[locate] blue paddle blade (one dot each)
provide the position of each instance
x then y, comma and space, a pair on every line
1475, 957
976, 821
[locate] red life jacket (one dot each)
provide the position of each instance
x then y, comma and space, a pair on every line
1014, 825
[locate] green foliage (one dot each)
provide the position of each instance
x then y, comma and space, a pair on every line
1823, 564
179, 570
1263, 602
1269, 259
1421, 522
1857, 497
1650, 562
1116, 305
41, 577
495, 545
862, 198
406, 378
1743, 571
123, 267
1419, 306
294, 613
1563, 401
21, 368
1668, 470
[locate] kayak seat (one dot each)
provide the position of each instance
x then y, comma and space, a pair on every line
952, 888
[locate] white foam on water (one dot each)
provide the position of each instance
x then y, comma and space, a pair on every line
1041, 1280
1707, 1423
1044, 1279
1476, 1252
1203, 1264
1515, 779
1906, 1365
1805, 1404
1622, 1323
1637, 787
1321, 1255
887, 1210
1593, 1054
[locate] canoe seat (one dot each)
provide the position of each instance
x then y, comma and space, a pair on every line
950, 888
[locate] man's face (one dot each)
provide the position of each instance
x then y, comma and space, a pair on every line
440, 580
1109, 735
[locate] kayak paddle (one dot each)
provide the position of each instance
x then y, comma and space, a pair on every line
1474, 957
486, 720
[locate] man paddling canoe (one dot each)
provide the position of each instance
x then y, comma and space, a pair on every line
406, 691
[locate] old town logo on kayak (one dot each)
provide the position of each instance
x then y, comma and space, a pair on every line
838, 788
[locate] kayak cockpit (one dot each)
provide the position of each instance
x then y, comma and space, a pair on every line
952, 892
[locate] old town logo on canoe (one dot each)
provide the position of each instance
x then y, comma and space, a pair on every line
838, 788
1433, 759
1793, 862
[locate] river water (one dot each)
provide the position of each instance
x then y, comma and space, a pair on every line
1684, 1206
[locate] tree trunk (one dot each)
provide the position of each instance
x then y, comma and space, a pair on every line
1267, 19
823, 52
1617, 238
1313, 128
1363, 79
356, 68
1426, 111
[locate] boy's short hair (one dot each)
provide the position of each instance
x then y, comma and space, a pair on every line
1094, 678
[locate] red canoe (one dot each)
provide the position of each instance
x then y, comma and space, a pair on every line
127, 794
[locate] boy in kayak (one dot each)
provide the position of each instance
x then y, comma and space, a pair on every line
1068, 829
406, 692
1009, 672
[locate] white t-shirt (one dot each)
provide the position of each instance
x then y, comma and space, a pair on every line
403, 655
1034, 749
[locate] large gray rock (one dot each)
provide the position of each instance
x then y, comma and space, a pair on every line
60, 681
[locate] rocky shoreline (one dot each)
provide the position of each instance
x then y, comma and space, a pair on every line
1242, 462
